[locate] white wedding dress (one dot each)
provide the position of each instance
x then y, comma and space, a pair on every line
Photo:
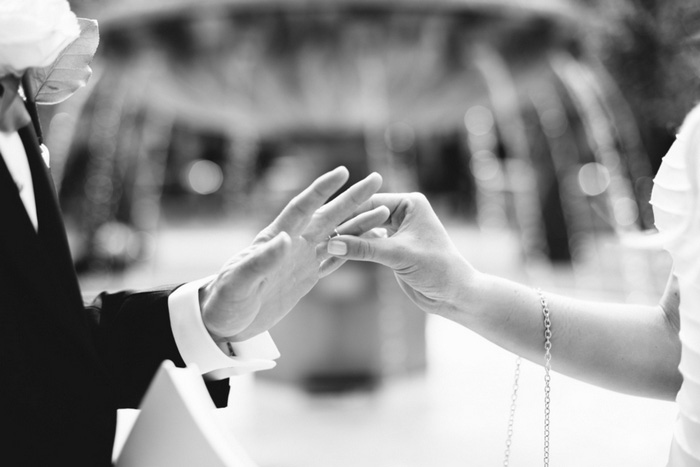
676, 203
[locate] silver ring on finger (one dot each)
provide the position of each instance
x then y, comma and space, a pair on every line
334, 234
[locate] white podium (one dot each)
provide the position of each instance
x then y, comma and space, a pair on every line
177, 427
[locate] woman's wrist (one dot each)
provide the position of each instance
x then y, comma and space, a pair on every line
467, 301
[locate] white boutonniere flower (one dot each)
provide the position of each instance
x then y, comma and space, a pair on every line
33, 33
46, 47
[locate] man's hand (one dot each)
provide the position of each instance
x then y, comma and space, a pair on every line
428, 266
258, 286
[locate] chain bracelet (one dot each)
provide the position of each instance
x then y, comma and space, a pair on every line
547, 368
547, 378
511, 415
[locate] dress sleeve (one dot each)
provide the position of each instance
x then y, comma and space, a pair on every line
676, 203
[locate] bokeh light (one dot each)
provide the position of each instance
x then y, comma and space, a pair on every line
399, 137
478, 120
593, 178
625, 211
486, 166
204, 177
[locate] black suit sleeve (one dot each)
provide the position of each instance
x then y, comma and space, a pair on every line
132, 333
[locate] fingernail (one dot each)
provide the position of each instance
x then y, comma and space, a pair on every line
336, 247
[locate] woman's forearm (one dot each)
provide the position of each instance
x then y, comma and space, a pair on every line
627, 348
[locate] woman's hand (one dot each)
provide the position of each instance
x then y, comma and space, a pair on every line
417, 248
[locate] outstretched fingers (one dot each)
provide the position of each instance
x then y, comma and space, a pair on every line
358, 225
300, 210
364, 222
389, 200
342, 207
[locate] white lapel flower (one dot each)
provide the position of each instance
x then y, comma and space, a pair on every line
44, 45
33, 33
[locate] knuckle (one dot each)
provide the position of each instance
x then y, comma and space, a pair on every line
365, 250
322, 218
296, 205
418, 198
316, 191
264, 235
292, 212
358, 197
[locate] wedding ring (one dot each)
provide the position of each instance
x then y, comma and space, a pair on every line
334, 234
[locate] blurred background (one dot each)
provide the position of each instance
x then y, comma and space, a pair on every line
534, 127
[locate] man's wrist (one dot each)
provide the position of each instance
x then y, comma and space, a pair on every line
197, 346
221, 326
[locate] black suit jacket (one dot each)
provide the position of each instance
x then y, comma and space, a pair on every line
65, 367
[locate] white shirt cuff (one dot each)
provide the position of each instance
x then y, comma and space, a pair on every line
196, 345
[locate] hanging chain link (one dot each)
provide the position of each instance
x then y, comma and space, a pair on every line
511, 416
547, 368
547, 379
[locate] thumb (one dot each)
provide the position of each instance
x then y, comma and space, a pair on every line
334, 262
376, 250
